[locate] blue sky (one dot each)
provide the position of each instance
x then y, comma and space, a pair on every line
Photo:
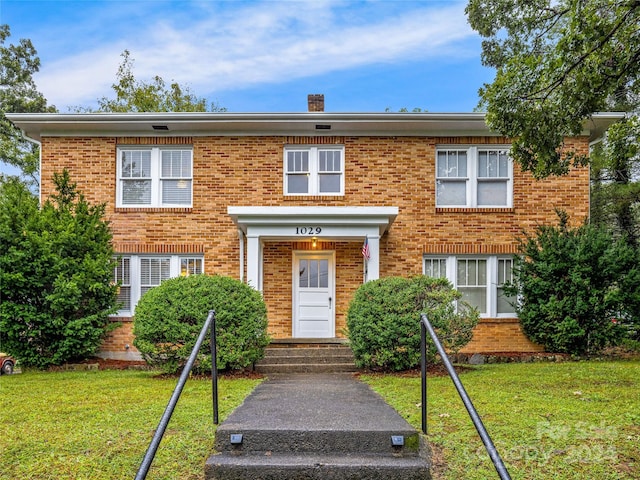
259, 56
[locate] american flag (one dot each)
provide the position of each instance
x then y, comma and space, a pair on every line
365, 249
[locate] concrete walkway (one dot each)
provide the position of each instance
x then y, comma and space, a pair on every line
316, 426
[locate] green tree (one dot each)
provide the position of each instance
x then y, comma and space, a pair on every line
578, 288
134, 95
615, 174
557, 62
56, 273
18, 94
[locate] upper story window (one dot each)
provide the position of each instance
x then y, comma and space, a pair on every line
313, 170
154, 177
480, 280
474, 177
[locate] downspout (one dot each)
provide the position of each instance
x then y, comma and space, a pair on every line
241, 238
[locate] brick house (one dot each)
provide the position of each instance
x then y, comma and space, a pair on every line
286, 202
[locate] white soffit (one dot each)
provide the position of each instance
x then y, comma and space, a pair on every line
356, 217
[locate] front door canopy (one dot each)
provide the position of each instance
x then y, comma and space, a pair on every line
307, 222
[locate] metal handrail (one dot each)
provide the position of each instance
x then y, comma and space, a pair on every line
425, 326
166, 416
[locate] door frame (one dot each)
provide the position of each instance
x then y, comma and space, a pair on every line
295, 274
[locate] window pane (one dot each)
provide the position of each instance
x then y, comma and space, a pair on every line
298, 161
176, 163
122, 276
313, 273
323, 274
503, 169
153, 271
297, 184
176, 192
505, 302
304, 274
481, 272
492, 192
435, 267
329, 161
462, 273
475, 296
452, 163
190, 266
329, 183
136, 192
136, 163
451, 192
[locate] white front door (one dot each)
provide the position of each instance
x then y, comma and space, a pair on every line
313, 295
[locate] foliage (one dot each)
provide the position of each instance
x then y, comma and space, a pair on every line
18, 94
383, 320
56, 271
615, 175
557, 63
168, 320
134, 95
97, 425
578, 287
569, 420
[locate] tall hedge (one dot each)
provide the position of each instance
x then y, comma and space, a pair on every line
56, 275
383, 320
169, 318
579, 288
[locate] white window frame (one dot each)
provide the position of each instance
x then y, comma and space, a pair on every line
156, 177
472, 178
492, 278
314, 172
135, 281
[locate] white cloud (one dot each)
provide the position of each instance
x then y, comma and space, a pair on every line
242, 45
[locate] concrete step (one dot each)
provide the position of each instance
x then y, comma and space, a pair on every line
315, 467
307, 358
320, 441
335, 358
324, 352
285, 368
297, 427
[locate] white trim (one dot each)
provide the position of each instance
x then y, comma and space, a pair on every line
472, 179
155, 176
313, 187
41, 125
134, 273
295, 294
303, 223
491, 288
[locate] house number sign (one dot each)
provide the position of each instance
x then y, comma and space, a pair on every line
308, 230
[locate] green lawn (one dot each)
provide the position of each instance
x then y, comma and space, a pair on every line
98, 424
571, 420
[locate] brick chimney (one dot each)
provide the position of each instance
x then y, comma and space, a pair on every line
315, 102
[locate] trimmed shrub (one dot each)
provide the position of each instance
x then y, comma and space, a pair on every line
383, 320
169, 318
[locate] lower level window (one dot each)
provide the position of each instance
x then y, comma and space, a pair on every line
137, 274
480, 279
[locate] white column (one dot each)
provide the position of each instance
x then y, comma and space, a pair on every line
373, 264
241, 240
254, 261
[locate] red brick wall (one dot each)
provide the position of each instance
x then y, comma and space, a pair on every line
379, 171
